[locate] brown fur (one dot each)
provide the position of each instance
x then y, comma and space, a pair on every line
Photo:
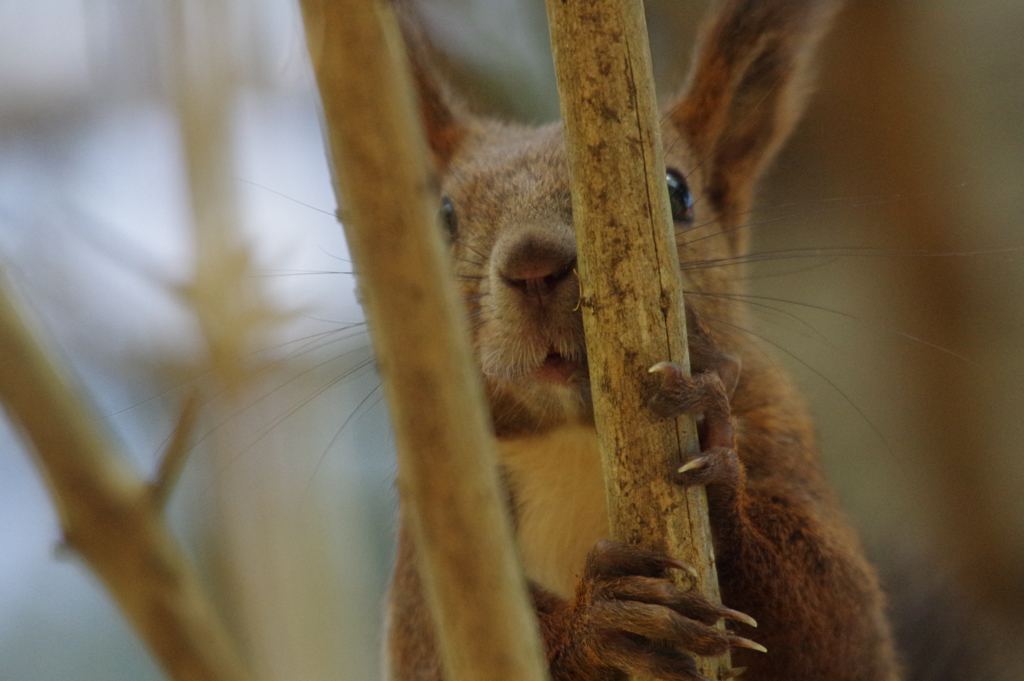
785, 555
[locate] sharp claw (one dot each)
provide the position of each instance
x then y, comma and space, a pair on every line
680, 565
663, 367
738, 616
692, 464
740, 642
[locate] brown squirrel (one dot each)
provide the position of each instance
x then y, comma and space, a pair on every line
785, 555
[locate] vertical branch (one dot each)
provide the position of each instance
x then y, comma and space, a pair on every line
447, 475
266, 551
632, 300
228, 306
889, 132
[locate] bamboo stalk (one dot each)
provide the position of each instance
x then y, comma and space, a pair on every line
628, 265
108, 514
447, 477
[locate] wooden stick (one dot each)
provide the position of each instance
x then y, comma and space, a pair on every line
447, 474
108, 514
629, 268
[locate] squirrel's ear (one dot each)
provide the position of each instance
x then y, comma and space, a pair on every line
445, 118
746, 90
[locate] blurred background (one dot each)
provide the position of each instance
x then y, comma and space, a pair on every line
166, 219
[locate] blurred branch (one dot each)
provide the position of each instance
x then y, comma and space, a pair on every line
230, 307
108, 515
176, 453
888, 136
256, 552
447, 476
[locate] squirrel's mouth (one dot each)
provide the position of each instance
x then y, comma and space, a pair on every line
557, 368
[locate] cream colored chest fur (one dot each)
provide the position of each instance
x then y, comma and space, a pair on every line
560, 499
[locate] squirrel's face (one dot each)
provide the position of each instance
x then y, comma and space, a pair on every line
507, 211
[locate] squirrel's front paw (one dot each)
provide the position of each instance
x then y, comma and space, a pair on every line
715, 374
706, 393
627, 616
717, 463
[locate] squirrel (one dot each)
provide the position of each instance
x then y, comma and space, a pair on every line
787, 559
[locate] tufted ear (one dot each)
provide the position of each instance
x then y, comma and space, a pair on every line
746, 92
446, 119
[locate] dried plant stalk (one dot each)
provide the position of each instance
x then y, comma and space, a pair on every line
629, 268
109, 515
447, 477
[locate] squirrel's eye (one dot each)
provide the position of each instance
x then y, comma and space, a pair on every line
448, 219
679, 197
